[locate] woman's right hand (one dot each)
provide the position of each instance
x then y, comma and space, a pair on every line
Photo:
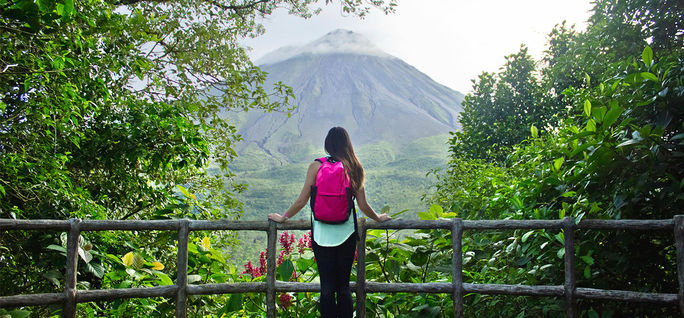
383, 217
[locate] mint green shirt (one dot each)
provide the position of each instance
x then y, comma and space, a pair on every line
331, 235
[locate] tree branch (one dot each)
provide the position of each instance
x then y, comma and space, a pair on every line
250, 5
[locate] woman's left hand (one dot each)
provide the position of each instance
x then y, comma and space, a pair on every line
276, 217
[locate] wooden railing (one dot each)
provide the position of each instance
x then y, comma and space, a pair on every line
181, 289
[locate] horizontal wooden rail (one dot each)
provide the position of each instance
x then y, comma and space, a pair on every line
226, 225
70, 297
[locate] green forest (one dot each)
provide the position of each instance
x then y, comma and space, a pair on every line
104, 114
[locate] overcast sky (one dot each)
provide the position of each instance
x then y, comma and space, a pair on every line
452, 41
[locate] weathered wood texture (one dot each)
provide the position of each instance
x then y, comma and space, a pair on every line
139, 292
511, 224
430, 288
457, 263
569, 287
361, 270
514, 290
230, 288
679, 245
70, 297
69, 308
628, 296
182, 265
397, 224
12, 224
270, 269
34, 299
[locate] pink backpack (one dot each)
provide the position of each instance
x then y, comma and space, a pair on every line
332, 199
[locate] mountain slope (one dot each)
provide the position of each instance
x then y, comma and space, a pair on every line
343, 80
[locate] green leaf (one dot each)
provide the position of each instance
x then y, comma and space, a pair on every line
649, 76
68, 8
164, 279
534, 131
96, 269
558, 163
647, 56
588, 259
56, 248
183, 190
588, 79
19, 313
587, 108
568, 194
127, 259
629, 142
591, 125
526, 236
579, 149
561, 252
436, 210
592, 313
599, 113
587, 272
426, 216
285, 271
60, 9
612, 115
194, 278
85, 255
234, 304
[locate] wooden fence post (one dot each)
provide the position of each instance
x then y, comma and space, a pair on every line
679, 244
270, 269
569, 234
182, 264
69, 309
361, 270
457, 261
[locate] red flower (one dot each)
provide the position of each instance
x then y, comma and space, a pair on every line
285, 300
251, 270
281, 257
286, 241
262, 262
304, 242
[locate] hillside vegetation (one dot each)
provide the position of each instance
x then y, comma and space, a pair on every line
396, 176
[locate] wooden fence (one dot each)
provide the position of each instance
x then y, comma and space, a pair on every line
181, 289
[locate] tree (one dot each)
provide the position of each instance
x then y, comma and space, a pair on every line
115, 109
612, 150
500, 110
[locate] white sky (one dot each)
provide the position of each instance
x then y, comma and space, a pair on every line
452, 41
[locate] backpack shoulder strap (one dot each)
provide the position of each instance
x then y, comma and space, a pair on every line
321, 159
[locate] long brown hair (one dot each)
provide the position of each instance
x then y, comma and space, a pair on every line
338, 145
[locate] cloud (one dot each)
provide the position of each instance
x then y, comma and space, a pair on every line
451, 41
338, 41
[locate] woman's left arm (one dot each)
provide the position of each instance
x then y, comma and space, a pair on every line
303, 195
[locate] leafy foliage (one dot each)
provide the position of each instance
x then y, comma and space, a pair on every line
115, 110
610, 148
499, 112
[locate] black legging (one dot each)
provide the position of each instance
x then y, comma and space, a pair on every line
334, 268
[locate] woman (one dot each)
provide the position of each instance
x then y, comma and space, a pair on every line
334, 244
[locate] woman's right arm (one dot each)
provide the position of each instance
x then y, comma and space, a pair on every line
367, 209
